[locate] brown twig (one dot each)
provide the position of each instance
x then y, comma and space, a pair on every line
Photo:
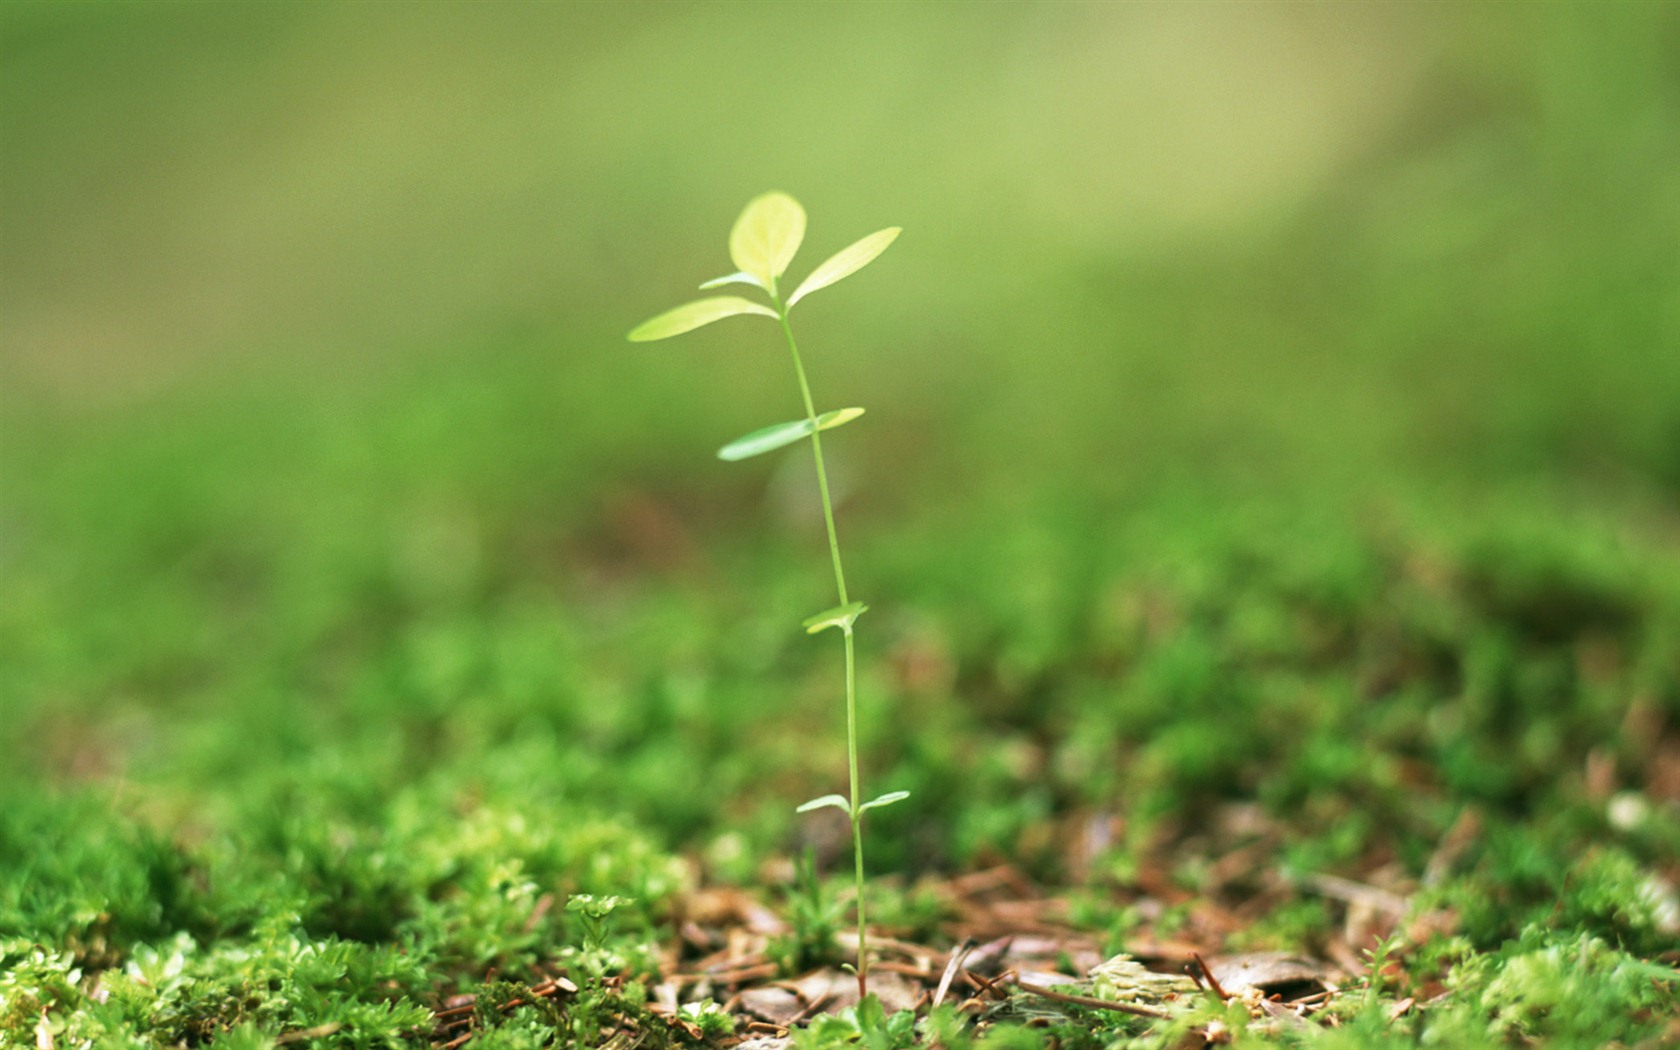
811, 1009
463, 1010
1213, 982
918, 972
454, 1011
1093, 1002
990, 987
878, 942
739, 976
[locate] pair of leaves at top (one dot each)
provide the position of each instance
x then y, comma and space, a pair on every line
762, 243
840, 802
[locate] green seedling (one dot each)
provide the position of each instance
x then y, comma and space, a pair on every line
762, 243
814, 916
713, 1021
594, 915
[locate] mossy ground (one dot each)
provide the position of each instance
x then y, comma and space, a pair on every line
310, 711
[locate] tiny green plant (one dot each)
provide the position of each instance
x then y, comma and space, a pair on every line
814, 915
594, 915
762, 243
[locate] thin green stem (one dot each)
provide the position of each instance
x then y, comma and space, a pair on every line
857, 818
816, 450
851, 677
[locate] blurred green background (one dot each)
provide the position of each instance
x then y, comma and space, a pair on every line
1143, 239
322, 440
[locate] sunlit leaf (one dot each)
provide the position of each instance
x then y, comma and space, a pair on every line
884, 800
766, 236
837, 801
842, 616
734, 278
838, 418
845, 262
774, 437
596, 907
690, 316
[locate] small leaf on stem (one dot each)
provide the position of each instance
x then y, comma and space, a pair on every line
837, 801
734, 278
690, 316
770, 438
845, 262
883, 800
842, 616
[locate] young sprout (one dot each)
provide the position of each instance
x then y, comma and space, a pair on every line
593, 913
762, 243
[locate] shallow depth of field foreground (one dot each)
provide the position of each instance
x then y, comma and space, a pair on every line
1268, 508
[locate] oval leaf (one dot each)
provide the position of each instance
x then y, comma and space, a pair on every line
768, 439
837, 801
690, 316
846, 262
884, 800
765, 440
842, 616
766, 236
734, 278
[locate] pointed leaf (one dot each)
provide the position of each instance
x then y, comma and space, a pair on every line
734, 278
884, 800
766, 236
768, 439
838, 418
842, 616
846, 262
692, 315
837, 801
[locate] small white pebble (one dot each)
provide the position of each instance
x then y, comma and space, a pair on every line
1665, 904
1628, 810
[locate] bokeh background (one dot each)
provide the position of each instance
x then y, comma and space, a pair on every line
326, 461
1143, 238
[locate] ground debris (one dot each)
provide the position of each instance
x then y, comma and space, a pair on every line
1272, 973
1005, 950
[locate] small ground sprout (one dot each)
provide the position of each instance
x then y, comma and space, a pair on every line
762, 244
